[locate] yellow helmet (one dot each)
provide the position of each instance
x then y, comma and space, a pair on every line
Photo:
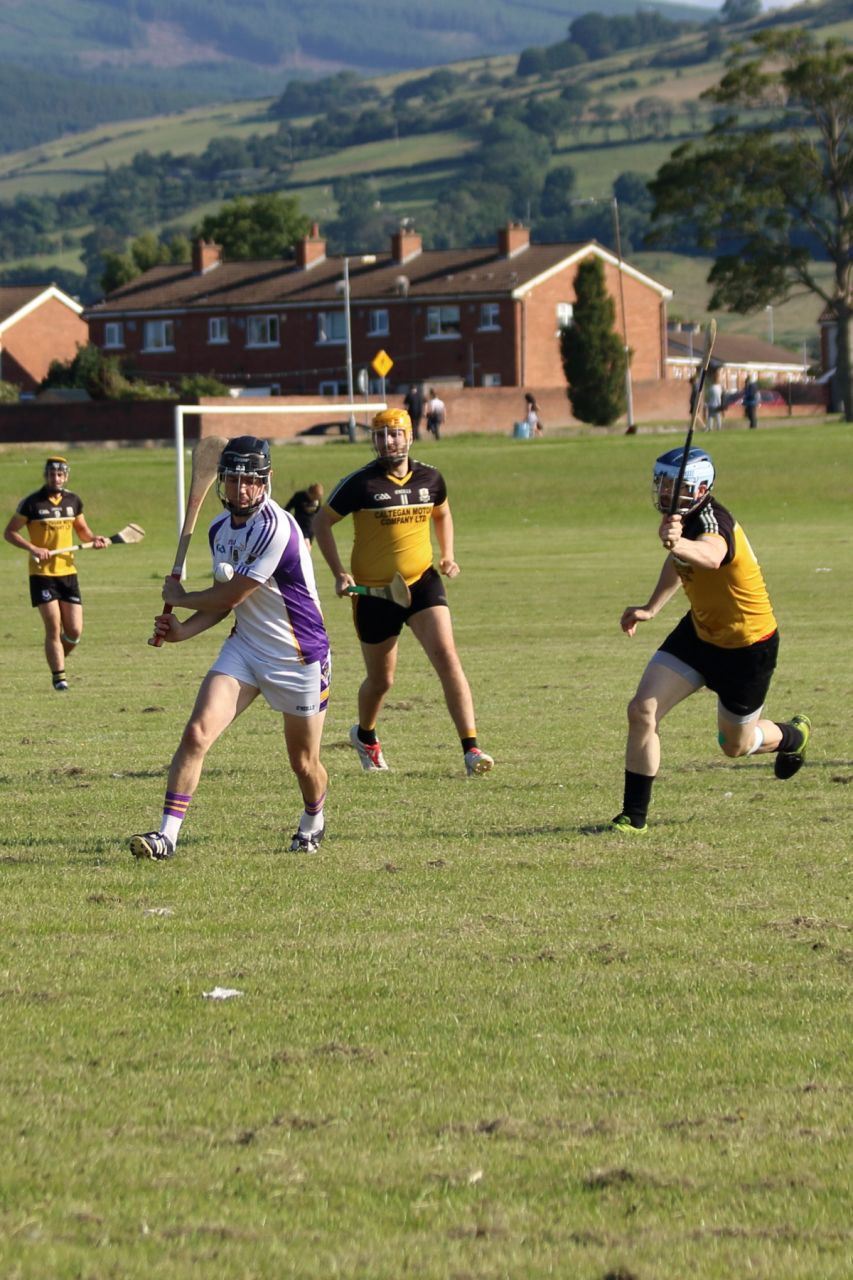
391, 420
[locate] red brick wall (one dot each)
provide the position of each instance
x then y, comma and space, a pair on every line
487, 410
50, 332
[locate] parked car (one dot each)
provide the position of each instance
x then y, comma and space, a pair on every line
768, 399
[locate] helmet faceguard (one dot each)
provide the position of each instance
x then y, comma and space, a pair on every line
244, 459
697, 482
56, 471
391, 447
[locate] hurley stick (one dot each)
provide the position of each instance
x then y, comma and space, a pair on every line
710, 339
205, 462
130, 533
396, 591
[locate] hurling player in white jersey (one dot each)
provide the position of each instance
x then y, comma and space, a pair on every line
278, 645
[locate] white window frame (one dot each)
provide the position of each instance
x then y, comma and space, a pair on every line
331, 328
158, 335
262, 331
113, 335
492, 380
378, 323
565, 315
217, 330
490, 317
444, 322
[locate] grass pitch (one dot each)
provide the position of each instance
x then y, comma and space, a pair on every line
475, 1040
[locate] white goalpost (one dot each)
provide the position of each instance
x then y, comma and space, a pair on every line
243, 410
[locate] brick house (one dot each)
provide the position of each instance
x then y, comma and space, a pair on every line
38, 323
473, 317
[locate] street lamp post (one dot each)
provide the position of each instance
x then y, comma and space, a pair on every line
769, 310
365, 258
629, 389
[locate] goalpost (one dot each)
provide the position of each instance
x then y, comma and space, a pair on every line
243, 410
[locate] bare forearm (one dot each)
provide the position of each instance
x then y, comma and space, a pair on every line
325, 539
665, 588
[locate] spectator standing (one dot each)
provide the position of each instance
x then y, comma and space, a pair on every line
532, 415
714, 405
436, 413
751, 401
413, 403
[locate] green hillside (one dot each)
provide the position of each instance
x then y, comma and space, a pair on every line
412, 144
65, 67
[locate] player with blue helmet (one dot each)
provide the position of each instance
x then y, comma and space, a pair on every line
727, 641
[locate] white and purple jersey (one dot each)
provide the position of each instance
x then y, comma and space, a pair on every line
282, 618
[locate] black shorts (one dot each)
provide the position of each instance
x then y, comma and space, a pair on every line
739, 677
378, 620
43, 589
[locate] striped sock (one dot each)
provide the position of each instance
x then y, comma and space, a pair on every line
174, 811
312, 819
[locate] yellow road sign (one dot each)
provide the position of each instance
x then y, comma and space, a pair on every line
381, 364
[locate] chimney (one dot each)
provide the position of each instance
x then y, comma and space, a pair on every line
206, 256
513, 239
311, 249
405, 245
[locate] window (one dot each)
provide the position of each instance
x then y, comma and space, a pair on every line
217, 329
331, 326
377, 323
490, 315
159, 335
565, 315
262, 331
332, 389
491, 379
443, 322
114, 334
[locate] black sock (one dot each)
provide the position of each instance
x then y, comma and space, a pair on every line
367, 736
792, 737
638, 797
468, 743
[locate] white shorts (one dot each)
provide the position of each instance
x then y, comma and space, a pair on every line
294, 688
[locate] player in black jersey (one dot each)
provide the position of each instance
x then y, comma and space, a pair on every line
54, 521
395, 502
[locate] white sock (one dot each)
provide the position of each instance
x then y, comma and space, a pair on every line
312, 820
758, 741
170, 827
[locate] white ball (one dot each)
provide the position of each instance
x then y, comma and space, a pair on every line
223, 572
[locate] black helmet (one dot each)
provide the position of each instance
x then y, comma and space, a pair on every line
53, 468
244, 456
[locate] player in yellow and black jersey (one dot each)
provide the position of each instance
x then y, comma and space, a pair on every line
727, 642
54, 521
396, 503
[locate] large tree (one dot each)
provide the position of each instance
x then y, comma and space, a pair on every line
264, 226
592, 353
768, 191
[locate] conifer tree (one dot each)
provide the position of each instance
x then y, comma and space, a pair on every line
593, 355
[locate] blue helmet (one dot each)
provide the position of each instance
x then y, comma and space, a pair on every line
698, 475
